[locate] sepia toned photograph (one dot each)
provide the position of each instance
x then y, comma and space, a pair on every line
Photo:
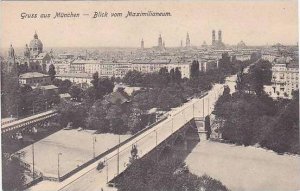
150, 95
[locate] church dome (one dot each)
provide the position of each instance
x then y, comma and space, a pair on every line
36, 43
241, 44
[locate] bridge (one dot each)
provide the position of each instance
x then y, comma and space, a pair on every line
28, 122
117, 159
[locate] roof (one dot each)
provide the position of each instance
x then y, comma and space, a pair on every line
65, 95
86, 62
116, 97
41, 56
151, 61
33, 75
75, 75
49, 87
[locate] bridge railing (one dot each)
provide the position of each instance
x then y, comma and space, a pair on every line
27, 121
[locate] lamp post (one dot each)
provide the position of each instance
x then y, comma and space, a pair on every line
58, 176
203, 107
94, 140
33, 161
106, 171
118, 156
207, 105
155, 137
172, 125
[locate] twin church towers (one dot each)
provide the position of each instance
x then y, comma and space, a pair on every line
217, 43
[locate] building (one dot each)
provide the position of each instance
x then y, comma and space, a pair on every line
208, 64
78, 66
217, 44
154, 65
241, 45
115, 68
285, 78
187, 41
242, 56
83, 79
34, 79
161, 44
62, 65
35, 58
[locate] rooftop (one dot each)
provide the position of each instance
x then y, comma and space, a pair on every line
75, 75
33, 75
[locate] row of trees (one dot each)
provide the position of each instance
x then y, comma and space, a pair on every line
159, 79
251, 117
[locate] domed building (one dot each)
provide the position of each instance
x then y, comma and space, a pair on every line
35, 58
241, 45
35, 46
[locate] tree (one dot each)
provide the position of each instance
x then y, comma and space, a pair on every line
195, 69
164, 76
13, 173
104, 86
172, 75
95, 80
76, 92
72, 112
133, 78
52, 71
177, 75
64, 86
97, 118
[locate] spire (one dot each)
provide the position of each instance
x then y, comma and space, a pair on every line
188, 42
160, 41
11, 52
27, 51
142, 44
35, 36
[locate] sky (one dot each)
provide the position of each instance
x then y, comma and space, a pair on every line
254, 22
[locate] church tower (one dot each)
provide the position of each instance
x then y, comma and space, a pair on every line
220, 36
187, 42
142, 44
160, 42
11, 59
213, 37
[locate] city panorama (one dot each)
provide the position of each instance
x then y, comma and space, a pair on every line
187, 96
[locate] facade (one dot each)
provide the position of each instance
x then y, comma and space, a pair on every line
34, 79
242, 57
285, 78
153, 65
107, 68
62, 65
208, 64
77, 78
78, 66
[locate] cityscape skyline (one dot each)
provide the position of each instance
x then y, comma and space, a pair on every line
194, 18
